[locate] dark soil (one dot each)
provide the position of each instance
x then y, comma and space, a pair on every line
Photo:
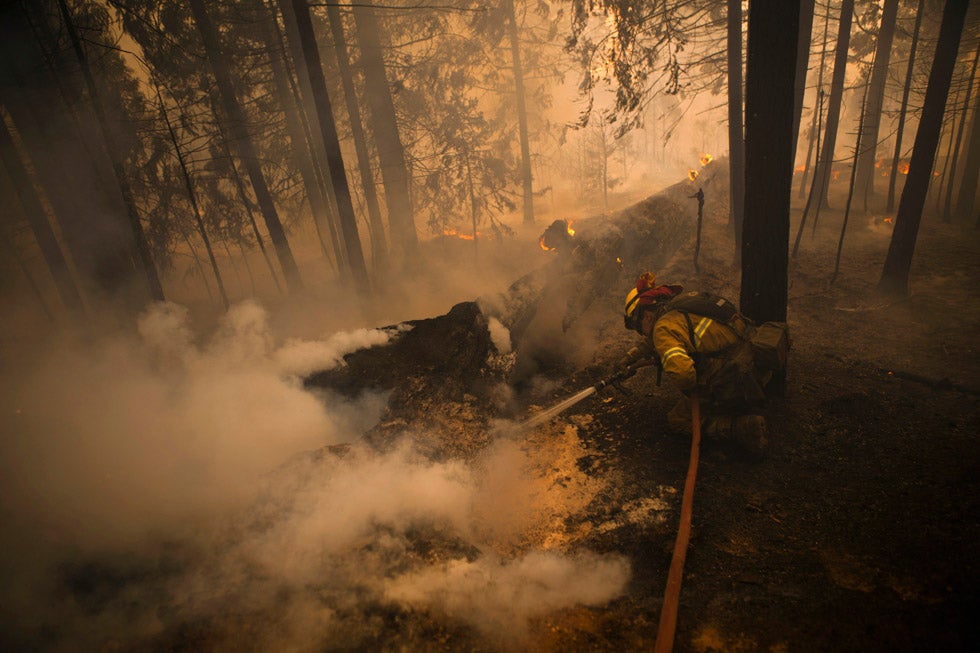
859, 530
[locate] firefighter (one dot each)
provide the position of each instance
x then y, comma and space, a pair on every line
702, 344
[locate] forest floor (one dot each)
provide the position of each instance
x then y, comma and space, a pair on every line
859, 530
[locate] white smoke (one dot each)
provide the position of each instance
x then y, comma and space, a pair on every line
191, 457
130, 432
501, 595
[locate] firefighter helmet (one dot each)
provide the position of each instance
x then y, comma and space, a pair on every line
645, 296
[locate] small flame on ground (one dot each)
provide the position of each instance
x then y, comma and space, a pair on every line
543, 246
461, 236
888, 221
836, 175
571, 232
903, 167
692, 175
705, 159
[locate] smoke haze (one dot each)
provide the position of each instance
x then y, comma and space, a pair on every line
156, 479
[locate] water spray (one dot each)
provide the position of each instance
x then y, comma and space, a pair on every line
563, 405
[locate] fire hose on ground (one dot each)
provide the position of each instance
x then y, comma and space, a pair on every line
668, 613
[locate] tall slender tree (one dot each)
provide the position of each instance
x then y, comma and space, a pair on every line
192, 198
871, 121
335, 159
243, 143
736, 140
966, 197
38, 220
906, 88
770, 100
302, 157
515, 53
824, 166
135, 224
802, 66
898, 262
384, 125
378, 247
814, 133
958, 141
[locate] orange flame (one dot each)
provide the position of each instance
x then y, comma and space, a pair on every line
461, 236
836, 175
543, 246
705, 159
692, 174
888, 221
903, 167
571, 232
800, 168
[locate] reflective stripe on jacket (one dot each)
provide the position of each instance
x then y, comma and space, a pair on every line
672, 340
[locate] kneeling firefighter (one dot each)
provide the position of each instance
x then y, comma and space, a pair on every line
704, 345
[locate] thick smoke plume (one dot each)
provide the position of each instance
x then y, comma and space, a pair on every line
158, 484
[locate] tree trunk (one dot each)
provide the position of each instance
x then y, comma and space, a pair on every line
966, 198
900, 130
954, 161
813, 186
515, 53
858, 145
142, 247
378, 248
802, 66
823, 171
236, 179
736, 141
38, 220
817, 111
297, 136
948, 119
391, 153
898, 262
243, 142
871, 119
770, 99
331, 143
192, 197
311, 130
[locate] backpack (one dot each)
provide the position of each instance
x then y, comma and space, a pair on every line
770, 341
717, 308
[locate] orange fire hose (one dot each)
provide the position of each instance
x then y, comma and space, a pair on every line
668, 613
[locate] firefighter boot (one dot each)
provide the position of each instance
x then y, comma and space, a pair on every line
751, 434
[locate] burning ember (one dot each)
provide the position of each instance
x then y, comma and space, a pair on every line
692, 174
888, 220
558, 233
461, 236
705, 159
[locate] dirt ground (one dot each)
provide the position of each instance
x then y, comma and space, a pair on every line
859, 530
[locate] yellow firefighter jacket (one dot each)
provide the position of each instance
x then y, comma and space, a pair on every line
712, 345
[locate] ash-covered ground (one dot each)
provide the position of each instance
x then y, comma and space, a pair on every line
428, 521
